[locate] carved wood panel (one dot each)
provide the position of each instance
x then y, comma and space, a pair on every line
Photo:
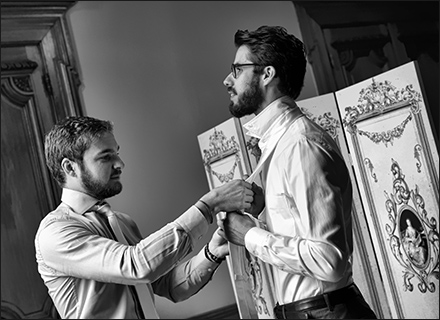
23, 194
39, 86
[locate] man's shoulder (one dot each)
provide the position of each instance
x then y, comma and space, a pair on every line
61, 214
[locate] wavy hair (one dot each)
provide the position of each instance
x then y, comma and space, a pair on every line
273, 46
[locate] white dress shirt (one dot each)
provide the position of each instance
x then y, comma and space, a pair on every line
88, 275
308, 242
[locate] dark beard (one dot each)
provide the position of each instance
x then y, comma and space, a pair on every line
97, 189
249, 102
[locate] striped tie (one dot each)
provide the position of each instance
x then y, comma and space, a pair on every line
144, 292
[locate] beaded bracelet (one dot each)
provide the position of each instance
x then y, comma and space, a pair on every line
211, 257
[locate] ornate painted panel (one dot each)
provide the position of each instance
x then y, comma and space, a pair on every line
395, 160
324, 111
225, 157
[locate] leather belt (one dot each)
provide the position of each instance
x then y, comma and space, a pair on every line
328, 299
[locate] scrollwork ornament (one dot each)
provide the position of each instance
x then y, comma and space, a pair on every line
253, 270
370, 166
376, 98
325, 120
221, 147
418, 155
413, 236
228, 176
252, 146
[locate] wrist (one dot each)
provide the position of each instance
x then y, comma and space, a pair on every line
212, 200
212, 257
205, 209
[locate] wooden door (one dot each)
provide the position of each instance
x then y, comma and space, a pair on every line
39, 86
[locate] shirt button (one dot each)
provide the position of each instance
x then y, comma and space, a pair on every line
209, 269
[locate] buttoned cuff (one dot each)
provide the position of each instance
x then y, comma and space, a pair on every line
203, 264
193, 222
256, 238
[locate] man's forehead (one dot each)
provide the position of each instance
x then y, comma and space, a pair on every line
104, 143
242, 54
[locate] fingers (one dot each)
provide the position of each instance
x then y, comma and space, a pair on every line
247, 185
220, 224
247, 203
248, 194
221, 233
221, 216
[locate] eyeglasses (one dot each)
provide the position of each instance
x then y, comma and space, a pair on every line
236, 67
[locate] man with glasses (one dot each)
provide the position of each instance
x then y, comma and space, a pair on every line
308, 242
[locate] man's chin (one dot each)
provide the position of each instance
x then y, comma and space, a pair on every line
235, 111
117, 188
114, 190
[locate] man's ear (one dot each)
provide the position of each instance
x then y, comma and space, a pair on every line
69, 167
269, 73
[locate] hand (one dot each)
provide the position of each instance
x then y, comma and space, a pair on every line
233, 195
218, 245
259, 202
234, 227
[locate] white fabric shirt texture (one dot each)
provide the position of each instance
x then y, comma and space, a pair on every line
89, 275
308, 243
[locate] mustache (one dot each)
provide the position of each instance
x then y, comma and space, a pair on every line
117, 171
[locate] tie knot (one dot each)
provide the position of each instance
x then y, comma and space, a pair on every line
102, 207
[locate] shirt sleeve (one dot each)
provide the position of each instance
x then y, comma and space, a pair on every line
68, 246
317, 245
186, 279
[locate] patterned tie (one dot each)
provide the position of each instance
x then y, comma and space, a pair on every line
144, 292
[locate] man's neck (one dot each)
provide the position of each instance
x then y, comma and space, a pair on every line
270, 97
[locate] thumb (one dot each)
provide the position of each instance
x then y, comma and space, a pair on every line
221, 233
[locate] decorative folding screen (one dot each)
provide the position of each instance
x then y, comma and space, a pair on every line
395, 161
324, 111
384, 132
225, 157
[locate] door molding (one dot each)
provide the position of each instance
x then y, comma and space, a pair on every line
40, 86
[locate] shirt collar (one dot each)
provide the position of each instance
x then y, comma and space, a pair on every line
79, 201
261, 123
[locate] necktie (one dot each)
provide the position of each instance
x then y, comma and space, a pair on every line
144, 292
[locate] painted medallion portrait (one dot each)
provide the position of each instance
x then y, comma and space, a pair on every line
413, 238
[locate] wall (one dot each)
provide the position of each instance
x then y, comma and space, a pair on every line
155, 68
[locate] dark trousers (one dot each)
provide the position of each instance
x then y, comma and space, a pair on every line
345, 303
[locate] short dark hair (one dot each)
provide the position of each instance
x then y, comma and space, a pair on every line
273, 46
70, 138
